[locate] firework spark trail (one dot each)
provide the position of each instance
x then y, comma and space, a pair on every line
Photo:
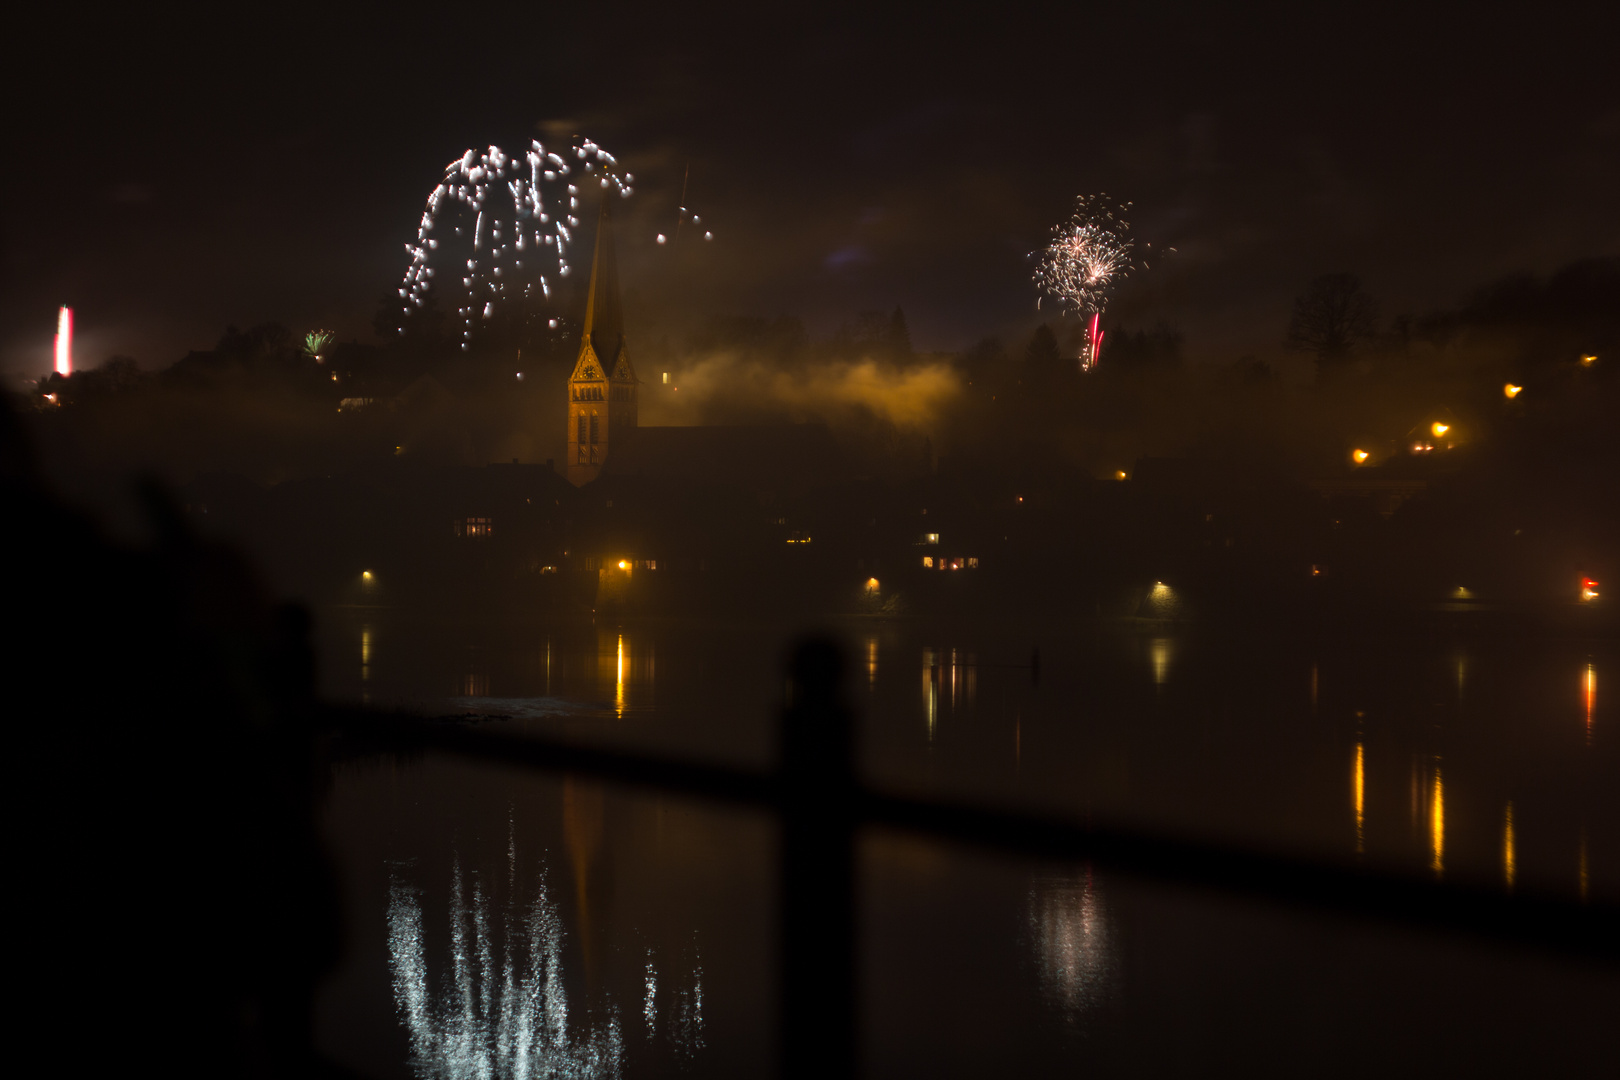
520, 212
1088, 255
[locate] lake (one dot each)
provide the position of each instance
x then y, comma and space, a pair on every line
503, 923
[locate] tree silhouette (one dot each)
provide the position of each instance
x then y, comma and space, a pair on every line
1332, 318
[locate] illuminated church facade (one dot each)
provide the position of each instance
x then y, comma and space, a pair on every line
602, 391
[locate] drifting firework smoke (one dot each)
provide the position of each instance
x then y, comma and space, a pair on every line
507, 222
1088, 254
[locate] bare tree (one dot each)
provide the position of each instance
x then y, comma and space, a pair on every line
1332, 319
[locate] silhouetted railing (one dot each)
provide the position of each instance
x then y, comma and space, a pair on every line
820, 804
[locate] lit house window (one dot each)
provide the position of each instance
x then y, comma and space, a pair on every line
930, 538
475, 526
928, 562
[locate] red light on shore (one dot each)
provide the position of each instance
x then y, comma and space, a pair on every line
1589, 590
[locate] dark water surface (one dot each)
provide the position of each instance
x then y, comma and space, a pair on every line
506, 924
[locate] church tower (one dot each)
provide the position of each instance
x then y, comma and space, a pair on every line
602, 390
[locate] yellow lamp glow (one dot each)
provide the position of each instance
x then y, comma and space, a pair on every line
365, 575
1588, 360
1439, 428
1359, 456
1510, 391
871, 584
624, 564
1119, 474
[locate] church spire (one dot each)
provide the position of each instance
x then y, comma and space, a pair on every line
604, 320
602, 391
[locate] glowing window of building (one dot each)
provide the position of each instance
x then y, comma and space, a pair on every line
973, 564
582, 428
475, 526
596, 429
928, 562
956, 564
930, 538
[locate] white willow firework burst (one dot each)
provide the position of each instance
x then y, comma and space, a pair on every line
1087, 255
500, 223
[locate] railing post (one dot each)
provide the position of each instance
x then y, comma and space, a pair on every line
817, 869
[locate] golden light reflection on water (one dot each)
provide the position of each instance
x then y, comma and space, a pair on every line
618, 688
365, 663
871, 663
931, 690
1509, 855
1358, 787
1437, 824
1589, 697
1159, 653
951, 674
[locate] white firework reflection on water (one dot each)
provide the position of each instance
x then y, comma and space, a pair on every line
1073, 942
510, 1022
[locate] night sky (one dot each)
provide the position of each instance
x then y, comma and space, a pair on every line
172, 176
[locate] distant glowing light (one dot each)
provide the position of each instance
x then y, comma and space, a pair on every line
1588, 360
64, 341
1439, 427
662, 239
365, 575
1510, 391
624, 564
1589, 590
871, 584
1359, 457
1119, 474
